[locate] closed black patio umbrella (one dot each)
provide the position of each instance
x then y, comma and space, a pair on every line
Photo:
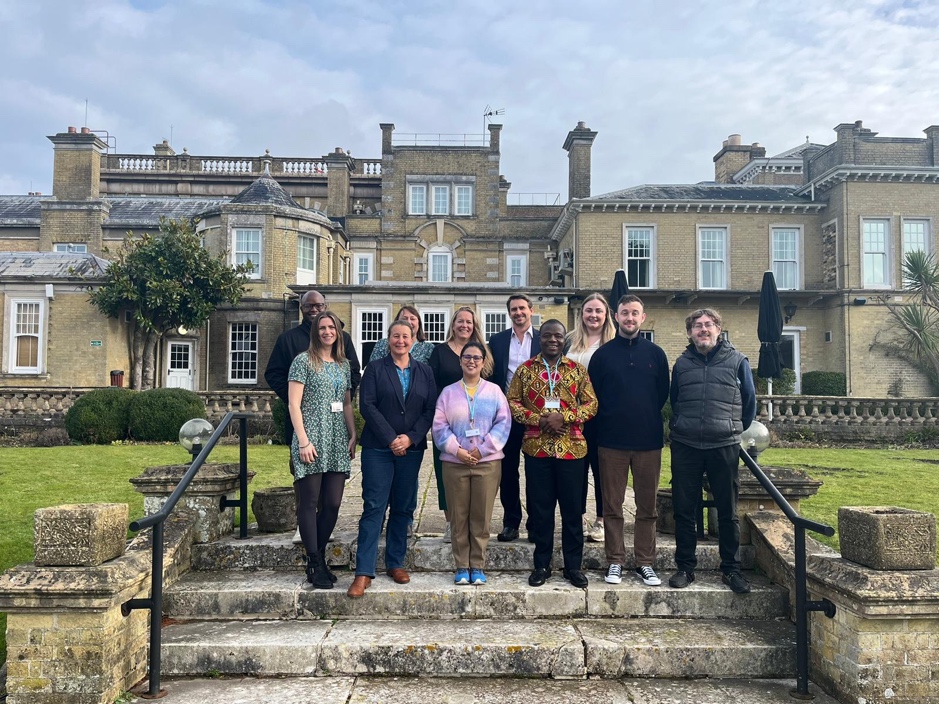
769, 329
620, 288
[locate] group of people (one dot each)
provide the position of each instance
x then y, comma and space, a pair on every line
570, 404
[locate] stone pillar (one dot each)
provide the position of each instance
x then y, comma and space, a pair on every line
387, 128
495, 138
203, 498
578, 145
339, 166
67, 637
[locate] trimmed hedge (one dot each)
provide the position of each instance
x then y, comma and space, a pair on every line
101, 416
824, 384
781, 387
158, 414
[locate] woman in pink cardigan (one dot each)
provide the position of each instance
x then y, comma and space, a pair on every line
471, 426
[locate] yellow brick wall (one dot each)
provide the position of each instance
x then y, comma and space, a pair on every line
77, 174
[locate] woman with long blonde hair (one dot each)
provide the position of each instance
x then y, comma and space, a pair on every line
594, 327
445, 363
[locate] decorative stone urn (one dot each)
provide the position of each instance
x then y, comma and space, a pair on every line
887, 537
275, 509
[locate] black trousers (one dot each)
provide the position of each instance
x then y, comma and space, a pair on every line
554, 483
509, 492
689, 465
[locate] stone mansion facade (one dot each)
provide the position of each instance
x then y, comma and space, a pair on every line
434, 223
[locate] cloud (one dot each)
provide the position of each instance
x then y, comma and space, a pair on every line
662, 83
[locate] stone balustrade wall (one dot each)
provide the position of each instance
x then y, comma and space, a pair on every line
834, 418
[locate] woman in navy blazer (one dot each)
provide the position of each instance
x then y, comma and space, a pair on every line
397, 399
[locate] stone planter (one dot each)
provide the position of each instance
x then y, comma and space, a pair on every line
275, 509
887, 537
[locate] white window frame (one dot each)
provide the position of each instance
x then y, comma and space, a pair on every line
457, 209
726, 259
231, 353
70, 247
435, 209
522, 261
439, 252
489, 328
307, 275
413, 190
40, 334
927, 234
648, 335
357, 313
797, 260
886, 254
237, 254
369, 259
652, 252
444, 314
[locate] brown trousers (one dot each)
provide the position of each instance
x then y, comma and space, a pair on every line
471, 493
614, 474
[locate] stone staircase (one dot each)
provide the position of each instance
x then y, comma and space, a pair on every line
246, 609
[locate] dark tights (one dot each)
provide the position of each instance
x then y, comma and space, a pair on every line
323, 490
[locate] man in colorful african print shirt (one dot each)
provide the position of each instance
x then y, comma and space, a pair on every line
552, 396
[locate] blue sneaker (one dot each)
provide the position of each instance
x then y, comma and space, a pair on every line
461, 577
477, 576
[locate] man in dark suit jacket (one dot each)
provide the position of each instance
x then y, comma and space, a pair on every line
510, 348
292, 342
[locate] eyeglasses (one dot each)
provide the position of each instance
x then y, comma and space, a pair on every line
472, 358
313, 306
704, 326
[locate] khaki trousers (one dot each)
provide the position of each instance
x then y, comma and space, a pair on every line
614, 474
471, 493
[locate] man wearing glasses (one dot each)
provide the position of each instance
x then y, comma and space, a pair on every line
713, 402
291, 343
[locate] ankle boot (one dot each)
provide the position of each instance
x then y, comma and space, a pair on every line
329, 573
316, 571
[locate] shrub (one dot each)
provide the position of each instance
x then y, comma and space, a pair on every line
158, 414
824, 384
781, 387
279, 416
100, 416
52, 437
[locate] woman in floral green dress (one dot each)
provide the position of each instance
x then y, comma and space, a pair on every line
324, 439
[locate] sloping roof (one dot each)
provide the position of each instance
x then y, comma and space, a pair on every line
20, 210
266, 191
144, 211
50, 265
796, 152
704, 192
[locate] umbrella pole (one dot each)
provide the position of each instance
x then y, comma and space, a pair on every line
769, 403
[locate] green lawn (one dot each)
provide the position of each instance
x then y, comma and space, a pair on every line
31, 478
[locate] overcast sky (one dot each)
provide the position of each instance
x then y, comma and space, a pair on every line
664, 83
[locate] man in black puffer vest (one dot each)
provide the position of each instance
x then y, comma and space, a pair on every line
713, 402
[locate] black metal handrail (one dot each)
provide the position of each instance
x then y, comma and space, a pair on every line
803, 605
155, 602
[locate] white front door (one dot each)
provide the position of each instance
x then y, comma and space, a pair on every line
179, 365
790, 350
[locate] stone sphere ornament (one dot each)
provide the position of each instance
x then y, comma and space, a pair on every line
195, 432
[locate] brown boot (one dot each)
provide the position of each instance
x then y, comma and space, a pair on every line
359, 585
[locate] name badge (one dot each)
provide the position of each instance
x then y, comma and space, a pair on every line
472, 433
552, 403
336, 407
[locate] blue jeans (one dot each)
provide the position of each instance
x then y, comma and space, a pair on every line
386, 479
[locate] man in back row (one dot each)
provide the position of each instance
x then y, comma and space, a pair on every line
713, 402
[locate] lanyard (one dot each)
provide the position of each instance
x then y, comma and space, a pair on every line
552, 380
336, 378
471, 401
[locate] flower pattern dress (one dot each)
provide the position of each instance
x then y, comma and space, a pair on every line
325, 429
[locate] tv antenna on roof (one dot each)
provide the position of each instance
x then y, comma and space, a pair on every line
488, 114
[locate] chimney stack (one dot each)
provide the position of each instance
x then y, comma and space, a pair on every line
578, 145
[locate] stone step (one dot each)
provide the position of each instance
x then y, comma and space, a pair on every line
287, 595
560, 649
427, 553
414, 690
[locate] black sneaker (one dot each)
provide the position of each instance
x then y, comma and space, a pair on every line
680, 579
737, 582
507, 535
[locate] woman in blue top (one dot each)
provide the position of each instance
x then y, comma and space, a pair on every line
320, 403
420, 350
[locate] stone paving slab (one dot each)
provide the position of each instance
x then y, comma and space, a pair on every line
557, 648
224, 594
466, 690
688, 648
